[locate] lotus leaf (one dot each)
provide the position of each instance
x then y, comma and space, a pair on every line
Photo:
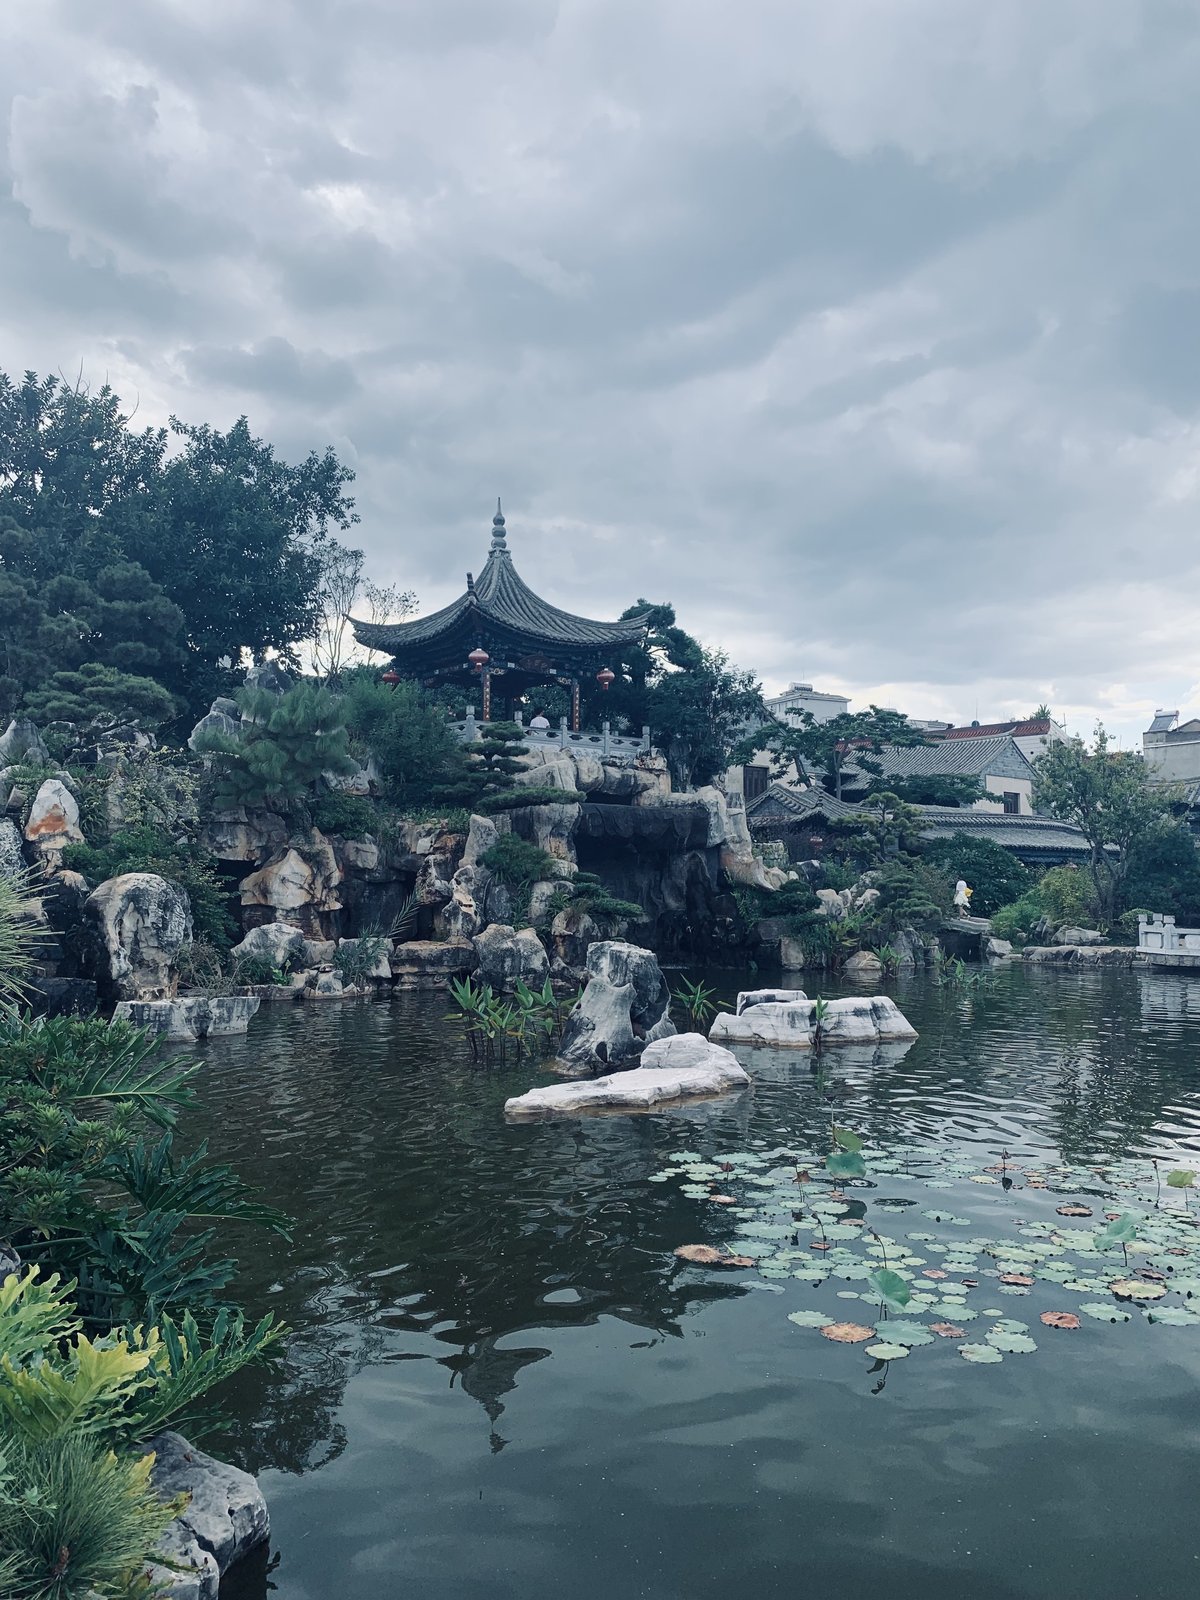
887, 1352
1174, 1316
910, 1333
846, 1332
980, 1353
809, 1319
1013, 1343
1105, 1311
1136, 1289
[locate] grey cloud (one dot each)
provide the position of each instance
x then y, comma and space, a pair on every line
867, 335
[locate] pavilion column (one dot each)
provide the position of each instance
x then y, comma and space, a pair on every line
574, 705
487, 695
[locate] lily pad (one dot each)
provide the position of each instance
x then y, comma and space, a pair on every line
1105, 1311
1173, 1316
982, 1354
707, 1255
810, 1319
847, 1332
1136, 1289
902, 1332
1013, 1343
887, 1352
1060, 1319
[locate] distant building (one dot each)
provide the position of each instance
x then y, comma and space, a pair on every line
1172, 749
752, 779
997, 762
1032, 736
803, 819
800, 697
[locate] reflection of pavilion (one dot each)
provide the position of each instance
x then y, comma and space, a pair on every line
498, 628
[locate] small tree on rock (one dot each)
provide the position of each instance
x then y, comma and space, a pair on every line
283, 747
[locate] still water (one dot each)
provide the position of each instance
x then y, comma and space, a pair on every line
502, 1383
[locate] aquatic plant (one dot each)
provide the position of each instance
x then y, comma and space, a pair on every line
696, 1001
932, 1285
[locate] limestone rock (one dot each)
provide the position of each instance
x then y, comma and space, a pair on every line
625, 1006
61, 997
429, 963
191, 1017
280, 943
12, 863
317, 952
541, 898
831, 904
475, 900
357, 782
865, 1020
269, 675
504, 956
551, 827
328, 986
53, 818
21, 742
749, 998
863, 964
217, 720
242, 835
225, 1518
1066, 935
684, 1067
481, 836
296, 888
140, 923
573, 932
1082, 955
996, 949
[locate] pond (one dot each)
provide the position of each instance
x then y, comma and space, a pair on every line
503, 1382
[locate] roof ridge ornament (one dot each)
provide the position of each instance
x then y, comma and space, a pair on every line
498, 540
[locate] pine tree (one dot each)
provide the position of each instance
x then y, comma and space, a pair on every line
284, 745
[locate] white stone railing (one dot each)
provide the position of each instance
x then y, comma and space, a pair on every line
1160, 933
605, 745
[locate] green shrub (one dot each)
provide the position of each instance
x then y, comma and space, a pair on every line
283, 745
517, 863
251, 970
350, 815
408, 732
1062, 896
355, 962
527, 795
912, 894
994, 874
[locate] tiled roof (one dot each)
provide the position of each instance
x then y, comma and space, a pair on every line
1019, 833
500, 595
983, 756
782, 800
1030, 728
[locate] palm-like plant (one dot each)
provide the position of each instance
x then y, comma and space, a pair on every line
19, 939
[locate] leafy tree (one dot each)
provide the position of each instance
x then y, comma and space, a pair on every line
1042, 714
1108, 796
823, 750
694, 700
100, 697
934, 789
283, 746
1063, 895
995, 874
333, 642
407, 731
211, 549
912, 894
889, 825
1164, 873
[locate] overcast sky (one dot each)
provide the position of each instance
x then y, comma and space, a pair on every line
866, 332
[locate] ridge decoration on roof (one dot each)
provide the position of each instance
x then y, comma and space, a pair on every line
498, 607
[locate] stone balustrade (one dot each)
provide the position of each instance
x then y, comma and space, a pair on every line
1159, 933
606, 745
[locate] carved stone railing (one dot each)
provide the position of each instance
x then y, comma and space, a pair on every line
1159, 933
605, 745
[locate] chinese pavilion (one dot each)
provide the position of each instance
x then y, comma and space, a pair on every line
498, 629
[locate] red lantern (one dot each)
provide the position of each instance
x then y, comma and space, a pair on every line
605, 676
391, 678
478, 658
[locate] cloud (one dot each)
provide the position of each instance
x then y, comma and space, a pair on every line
864, 333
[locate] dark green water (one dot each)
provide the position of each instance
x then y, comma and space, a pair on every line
502, 1383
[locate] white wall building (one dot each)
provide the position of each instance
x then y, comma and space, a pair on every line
798, 697
1172, 748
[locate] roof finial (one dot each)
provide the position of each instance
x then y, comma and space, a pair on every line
498, 528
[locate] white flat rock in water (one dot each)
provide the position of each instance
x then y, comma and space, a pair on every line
791, 1023
685, 1067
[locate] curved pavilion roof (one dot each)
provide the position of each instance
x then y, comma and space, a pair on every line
500, 609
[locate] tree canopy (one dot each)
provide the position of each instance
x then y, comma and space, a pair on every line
823, 750
1108, 795
159, 552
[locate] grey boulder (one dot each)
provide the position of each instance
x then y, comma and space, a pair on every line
139, 922
280, 943
686, 1066
624, 1007
225, 1518
869, 1019
506, 956
190, 1017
